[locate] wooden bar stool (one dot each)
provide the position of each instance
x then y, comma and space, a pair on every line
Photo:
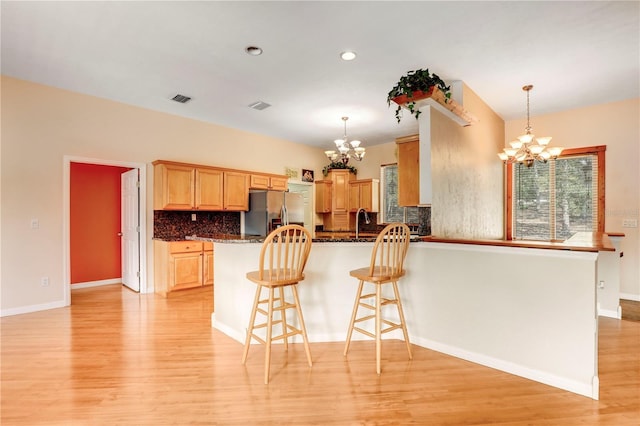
283, 257
386, 267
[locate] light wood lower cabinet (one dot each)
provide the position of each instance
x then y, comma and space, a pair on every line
181, 265
207, 268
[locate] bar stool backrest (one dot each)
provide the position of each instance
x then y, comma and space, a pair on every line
390, 250
284, 255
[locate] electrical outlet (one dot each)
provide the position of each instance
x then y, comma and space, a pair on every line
629, 223
601, 284
193, 217
44, 281
35, 223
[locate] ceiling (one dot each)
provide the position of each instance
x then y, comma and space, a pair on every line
143, 53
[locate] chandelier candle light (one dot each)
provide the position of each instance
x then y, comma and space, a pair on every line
525, 150
345, 148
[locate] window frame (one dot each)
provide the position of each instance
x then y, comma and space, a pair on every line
598, 150
382, 219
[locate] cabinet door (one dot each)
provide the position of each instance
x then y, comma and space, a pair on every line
236, 191
340, 221
354, 197
209, 189
186, 270
340, 180
366, 195
208, 267
279, 184
409, 173
323, 196
259, 182
174, 187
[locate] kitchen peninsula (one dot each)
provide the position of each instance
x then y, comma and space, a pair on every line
529, 311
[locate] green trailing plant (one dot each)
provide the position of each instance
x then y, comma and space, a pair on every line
338, 165
413, 81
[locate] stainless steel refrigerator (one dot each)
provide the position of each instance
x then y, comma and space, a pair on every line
271, 209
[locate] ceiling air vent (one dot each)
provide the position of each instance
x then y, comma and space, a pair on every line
259, 105
181, 98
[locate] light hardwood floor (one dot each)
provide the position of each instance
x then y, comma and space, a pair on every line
118, 358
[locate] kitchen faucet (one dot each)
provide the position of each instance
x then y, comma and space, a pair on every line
366, 220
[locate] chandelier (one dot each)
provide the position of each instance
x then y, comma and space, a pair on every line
525, 150
346, 150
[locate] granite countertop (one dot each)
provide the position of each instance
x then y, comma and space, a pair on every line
321, 237
227, 238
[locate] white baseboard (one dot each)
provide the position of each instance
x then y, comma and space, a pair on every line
96, 283
629, 296
610, 313
590, 390
32, 308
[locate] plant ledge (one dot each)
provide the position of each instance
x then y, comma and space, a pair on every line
449, 107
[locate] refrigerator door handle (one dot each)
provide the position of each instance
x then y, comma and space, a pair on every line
285, 215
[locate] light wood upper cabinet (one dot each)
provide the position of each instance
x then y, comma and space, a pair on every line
364, 194
279, 183
209, 189
180, 186
274, 183
174, 187
337, 219
236, 191
408, 171
323, 196
340, 196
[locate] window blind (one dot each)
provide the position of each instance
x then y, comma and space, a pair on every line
554, 200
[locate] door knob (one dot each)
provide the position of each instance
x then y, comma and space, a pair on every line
119, 234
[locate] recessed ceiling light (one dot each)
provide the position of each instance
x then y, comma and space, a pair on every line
348, 55
253, 50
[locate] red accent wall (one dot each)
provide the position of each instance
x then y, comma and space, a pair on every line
95, 222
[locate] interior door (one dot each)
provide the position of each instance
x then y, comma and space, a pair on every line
130, 225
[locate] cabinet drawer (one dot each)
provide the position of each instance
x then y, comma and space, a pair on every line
208, 246
185, 246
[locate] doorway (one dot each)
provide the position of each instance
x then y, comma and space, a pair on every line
306, 189
126, 196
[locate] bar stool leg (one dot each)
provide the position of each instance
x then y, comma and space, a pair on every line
402, 321
294, 290
378, 323
247, 343
353, 317
267, 355
283, 317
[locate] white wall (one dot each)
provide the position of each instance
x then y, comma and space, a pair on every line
467, 181
41, 125
616, 125
540, 326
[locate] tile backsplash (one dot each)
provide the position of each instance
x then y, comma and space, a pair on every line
175, 225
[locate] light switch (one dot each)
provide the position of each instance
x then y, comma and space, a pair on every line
629, 223
35, 224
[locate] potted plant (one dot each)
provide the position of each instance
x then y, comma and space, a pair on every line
413, 86
338, 165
